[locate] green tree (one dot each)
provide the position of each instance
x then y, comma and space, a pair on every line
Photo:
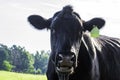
41, 61
7, 66
37, 60
3, 54
21, 59
17, 59
38, 71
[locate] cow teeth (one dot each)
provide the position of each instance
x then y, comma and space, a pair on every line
64, 69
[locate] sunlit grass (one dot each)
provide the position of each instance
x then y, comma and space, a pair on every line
4, 75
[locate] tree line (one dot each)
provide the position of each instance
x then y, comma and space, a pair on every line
18, 59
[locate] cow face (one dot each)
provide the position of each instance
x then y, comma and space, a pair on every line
66, 32
66, 29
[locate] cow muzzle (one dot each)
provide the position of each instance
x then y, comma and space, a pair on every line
65, 63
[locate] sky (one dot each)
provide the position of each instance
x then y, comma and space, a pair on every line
15, 29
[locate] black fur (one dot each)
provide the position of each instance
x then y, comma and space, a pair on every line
99, 22
39, 22
96, 58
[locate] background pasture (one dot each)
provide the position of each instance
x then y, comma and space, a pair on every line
4, 75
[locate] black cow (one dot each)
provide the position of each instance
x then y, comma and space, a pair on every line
75, 55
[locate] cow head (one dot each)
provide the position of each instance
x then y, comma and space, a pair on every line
66, 29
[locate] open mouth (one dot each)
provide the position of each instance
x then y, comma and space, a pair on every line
64, 69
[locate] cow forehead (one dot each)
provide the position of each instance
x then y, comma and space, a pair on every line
66, 35
66, 15
71, 22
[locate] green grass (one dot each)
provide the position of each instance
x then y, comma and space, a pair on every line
4, 75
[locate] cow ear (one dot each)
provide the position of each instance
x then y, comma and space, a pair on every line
39, 22
99, 22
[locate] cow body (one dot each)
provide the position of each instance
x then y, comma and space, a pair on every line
106, 63
75, 55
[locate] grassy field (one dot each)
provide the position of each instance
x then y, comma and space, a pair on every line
4, 75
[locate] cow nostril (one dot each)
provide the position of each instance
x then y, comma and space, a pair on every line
60, 57
73, 58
